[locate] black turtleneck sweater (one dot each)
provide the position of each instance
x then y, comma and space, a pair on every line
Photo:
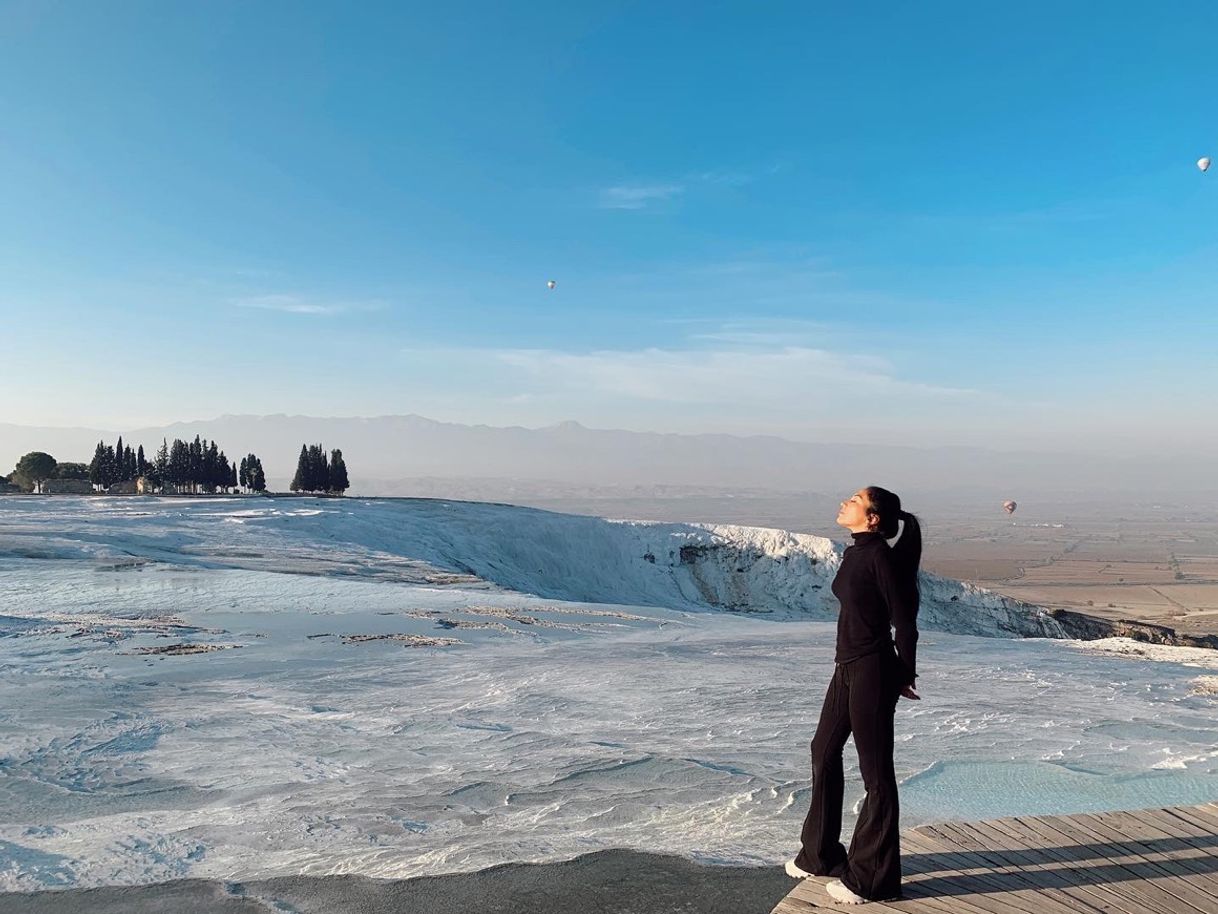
874, 599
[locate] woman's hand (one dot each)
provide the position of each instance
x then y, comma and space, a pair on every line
908, 692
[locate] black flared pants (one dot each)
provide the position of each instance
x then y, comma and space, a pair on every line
862, 700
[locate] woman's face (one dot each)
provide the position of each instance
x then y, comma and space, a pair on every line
855, 514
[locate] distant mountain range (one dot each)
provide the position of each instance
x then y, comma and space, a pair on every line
389, 454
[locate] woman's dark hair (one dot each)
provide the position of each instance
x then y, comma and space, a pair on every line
908, 549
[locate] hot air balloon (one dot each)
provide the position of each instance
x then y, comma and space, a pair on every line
1009, 506
550, 284
1204, 163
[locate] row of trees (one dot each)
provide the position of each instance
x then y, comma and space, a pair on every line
316, 473
184, 466
251, 477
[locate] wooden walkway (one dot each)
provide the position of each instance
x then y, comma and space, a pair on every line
1150, 861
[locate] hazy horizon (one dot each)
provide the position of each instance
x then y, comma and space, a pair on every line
412, 454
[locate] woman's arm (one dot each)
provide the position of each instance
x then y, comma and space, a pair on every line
902, 598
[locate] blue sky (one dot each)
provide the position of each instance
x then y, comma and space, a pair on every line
919, 223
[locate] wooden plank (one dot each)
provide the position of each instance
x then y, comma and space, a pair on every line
1049, 846
938, 884
914, 902
1206, 813
805, 892
1048, 896
814, 897
1124, 879
1155, 861
1160, 832
1192, 827
791, 906
1008, 878
919, 841
1197, 857
812, 892
960, 899
1173, 875
1195, 871
1047, 842
936, 904
1185, 840
957, 896
1203, 818
1044, 862
1011, 891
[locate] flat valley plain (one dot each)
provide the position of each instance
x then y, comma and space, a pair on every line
1140, 568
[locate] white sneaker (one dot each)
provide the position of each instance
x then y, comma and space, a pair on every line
838, 892
795, 872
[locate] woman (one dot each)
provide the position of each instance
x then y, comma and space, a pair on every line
877, 586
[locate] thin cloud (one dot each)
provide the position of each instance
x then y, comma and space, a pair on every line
638, 196
292, 304
714, 376
641, 195
729, 377
725, 178
753, 337
760, 333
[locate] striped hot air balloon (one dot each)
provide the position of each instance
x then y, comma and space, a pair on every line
1009, 506
1204, 163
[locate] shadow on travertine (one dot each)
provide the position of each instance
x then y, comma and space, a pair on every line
1159, 861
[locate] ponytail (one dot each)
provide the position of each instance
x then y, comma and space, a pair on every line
907, 550
901, 525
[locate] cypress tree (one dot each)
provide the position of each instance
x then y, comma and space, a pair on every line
311, 468
243, 475
257, 477
162, 465
301, 479
97, 464
179, 464
119, 462
150, 474
194, 463
141, 465
111, 468
338, 472
211, 467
